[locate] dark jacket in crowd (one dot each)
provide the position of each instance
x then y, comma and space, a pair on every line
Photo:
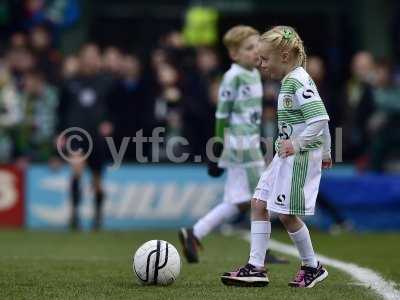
84, 102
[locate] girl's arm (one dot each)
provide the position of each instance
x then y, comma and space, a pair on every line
326, 146
311, 134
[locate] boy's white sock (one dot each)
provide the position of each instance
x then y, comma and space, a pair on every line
213, 218
302, 241
260, 236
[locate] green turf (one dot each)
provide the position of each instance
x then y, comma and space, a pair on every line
43, 265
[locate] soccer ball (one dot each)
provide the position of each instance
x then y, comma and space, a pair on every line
156, 262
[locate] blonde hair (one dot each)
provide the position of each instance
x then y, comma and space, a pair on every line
236, 35
285, 38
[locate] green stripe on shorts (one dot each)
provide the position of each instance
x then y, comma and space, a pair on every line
297, 199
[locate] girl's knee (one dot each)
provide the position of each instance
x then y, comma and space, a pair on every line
259, 210
285, 218
257, 204
290, 222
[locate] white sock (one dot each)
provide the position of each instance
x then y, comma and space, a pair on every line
260, 235
302, 241
213, 218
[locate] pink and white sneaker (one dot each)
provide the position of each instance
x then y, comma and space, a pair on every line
308, 277
247, 276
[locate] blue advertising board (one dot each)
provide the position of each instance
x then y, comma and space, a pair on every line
170, 196
369, 201
138, 196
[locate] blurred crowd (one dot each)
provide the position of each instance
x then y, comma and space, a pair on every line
174, 87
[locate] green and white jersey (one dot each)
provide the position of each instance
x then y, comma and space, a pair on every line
299, 104
240, 101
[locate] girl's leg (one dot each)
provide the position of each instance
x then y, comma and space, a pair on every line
260, 232
254, 273
300, 236
311, 271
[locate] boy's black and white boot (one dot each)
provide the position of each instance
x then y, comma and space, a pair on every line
247, 276
190, 245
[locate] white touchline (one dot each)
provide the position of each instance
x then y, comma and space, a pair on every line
367, 277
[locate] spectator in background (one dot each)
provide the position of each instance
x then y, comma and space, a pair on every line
384, 123
48, 59
317, 71
168, 104
85, 103
10, 114
18, 40
130, 103
270, 96
213, 92
37, 127
112, 62
158, 57
357, 108
34, 12
20, 61
208, 62
70, 67
58, 13
198, 110
213, 95
180, 56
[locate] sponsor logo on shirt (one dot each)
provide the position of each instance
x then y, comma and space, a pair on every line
307, 94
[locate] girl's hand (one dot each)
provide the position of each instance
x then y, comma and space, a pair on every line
327, 163
285, 148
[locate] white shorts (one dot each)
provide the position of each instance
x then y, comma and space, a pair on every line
241, 183
290, 185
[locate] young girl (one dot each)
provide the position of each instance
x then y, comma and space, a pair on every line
290, 184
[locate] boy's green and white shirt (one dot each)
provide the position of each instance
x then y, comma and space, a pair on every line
240, 102
299, 104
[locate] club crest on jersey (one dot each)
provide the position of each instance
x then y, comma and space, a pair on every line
287, 102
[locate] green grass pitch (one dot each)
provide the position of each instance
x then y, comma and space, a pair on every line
59, 265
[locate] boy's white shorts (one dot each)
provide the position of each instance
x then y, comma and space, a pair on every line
241, 183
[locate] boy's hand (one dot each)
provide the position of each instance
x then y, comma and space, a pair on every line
285, 148
213, 170
212, 166
327, 163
